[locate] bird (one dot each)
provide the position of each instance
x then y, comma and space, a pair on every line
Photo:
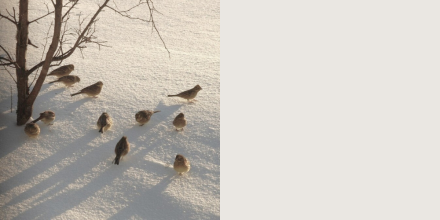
92, 90
121, 149
32, 130
144, 116
179, 121
181, 164
62, 71
68, 80
188, 94
104, 122
47, 117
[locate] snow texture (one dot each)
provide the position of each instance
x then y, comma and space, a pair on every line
66, 173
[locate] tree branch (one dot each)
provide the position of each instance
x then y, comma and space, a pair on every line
36, 20
48, 13
150, 20
51, 12
3, 16
10, 58
10, 75
13, 16
77, 43
68, 11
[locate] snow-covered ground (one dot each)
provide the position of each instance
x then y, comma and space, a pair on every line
66, 173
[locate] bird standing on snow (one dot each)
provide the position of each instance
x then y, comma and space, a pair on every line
104, 122
179, 121
32, 130
121, 149
47, 117
144, 116
181, 164
92, 90
68, 80
62, 71
188, 94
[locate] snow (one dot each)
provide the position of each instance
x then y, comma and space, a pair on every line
66, 173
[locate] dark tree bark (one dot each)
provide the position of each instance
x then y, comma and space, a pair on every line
25, 99
24, 111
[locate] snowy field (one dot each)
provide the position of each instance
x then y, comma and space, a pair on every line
66, 173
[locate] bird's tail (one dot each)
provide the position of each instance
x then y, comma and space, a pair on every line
171, 95
100, 130
156, 111
53, 81
36, 120
116, 160
74, 94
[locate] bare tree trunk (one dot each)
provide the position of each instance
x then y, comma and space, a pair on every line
25, 99
24, 112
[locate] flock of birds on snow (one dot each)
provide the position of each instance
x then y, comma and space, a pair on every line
181, 163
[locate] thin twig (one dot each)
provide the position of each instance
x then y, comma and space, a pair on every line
11, 98
3, 16
12, 16
150, 20
10, 74
15, 19
10, 58
48, 13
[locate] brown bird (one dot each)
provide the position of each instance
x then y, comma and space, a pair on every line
62, 71
47, 117
121, 149
181, 164
104, 122
68, 80
189, 94
144, 116
92, 90
32, 130
179, 121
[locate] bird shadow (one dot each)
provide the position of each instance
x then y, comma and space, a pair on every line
152, 202
17, 137
108, 177
95, 174
79, 102
181, 101
48, 162
167, 110
50, 94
